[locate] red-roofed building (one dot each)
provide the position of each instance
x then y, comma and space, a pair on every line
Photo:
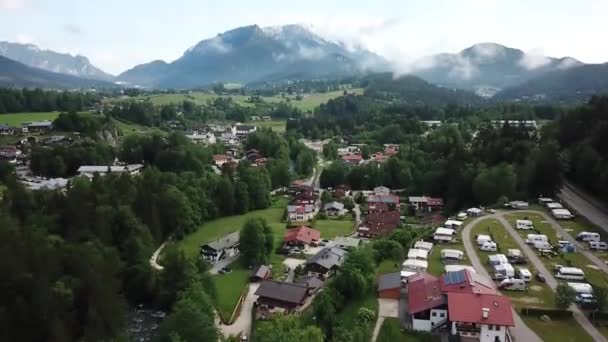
301, 237
221, 159
380, 157
392, 201
468, 283
352, 159
377, 207
426, 302
379, 224
485, 317
434, 203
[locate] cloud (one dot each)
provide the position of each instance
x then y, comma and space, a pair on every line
13, 4
73, 29
568, 63
24, 38
534, 60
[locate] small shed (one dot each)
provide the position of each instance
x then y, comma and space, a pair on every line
389, 285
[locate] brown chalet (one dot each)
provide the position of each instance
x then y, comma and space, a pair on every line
280, 295
379, 224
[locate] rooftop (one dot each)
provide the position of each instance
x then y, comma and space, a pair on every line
389, 281
302, 234
328, 257
424, 293
284, 292
224, 242
469, 308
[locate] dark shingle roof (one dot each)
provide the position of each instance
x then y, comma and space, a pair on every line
389, 281
284, 292
224, 242
328, 257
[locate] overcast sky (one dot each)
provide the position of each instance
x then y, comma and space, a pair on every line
117, 35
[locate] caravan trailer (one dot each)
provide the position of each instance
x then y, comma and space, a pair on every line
451, 255
532, 238
481, 239
524, 274
513, 284
503, 271
542, 245
524, 224
588, 236
569, 273
489, 246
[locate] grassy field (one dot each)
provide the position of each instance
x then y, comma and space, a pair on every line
331, 228
592, 274
538, 294
388, 266
308, 102
391, 332
348, 316
558, 330
275, 125
230, 287
16, 119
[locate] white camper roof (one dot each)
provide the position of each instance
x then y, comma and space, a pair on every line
452, 253
415, 253
453, 223
514, 252
498, 258
571, 270
483, 238
474, 210
507, 267
581, 287
423, 245
554, 205
444, 231
412, 263
561, 212
524, 222
536, 236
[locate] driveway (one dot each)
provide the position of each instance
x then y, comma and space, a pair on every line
386, 308
242, 325
221, 264
551, 281
154, 258
520, 331
594, 210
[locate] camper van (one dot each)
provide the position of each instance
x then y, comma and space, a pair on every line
498, 259
515, 256
588, 236
532, 238
581, 287
513, 284
503, 271
569, 273
462, 216
524, 274
524, 224
481, 239
489, 246
542, 245
598, 246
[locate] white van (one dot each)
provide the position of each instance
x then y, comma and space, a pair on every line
588, 236
524, 224
524, 274
598, 246
532, 238
569, 273
513, 284
489, 246
481, 239
498, 259
581, 288
503, 271
542, 245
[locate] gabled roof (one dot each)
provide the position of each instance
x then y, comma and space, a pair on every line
468, 308
424, 293
261, 271
334, 206
284, 292
328, 258
389, 281
302, 234
301, 208
382, 222
434, 202
393, 199
463, 281
311, 282
227, 241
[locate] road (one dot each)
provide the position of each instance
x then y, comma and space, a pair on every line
242, 324
215, 269
387, 308
520, 331
585, 205
154, 258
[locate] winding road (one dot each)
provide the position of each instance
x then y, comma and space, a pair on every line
585, 205
521, 332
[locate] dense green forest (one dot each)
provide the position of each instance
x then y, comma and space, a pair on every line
37, 100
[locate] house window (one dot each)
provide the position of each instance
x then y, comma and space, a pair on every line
442, 314
434, 314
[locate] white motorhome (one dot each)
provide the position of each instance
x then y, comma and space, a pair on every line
498, 259
588, 236
532, 238
524, 274
448, 255
513, 284
524, 224
554, 205
580, 288
598, 245
481, 239
542, 245
503, 271
570, 273
462, 216
489, 246
562, 214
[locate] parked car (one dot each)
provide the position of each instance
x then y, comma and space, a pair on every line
584, 299
540, 278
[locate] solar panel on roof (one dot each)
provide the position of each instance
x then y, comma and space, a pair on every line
452, 278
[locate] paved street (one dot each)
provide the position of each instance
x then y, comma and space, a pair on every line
585, 205
242, 325
386, 308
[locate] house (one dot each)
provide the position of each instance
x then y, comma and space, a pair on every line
528, 124
390, 285
300, 212
486, 317
379, 223
346, 242
275, 296
391, 149
243, 130
325, 263
392, 201
45, 184
102, 170
425, 203
444, 235
427, 303
340, 191
222, 248
255, 118
6, 130
382, 190
313, 283
377, 207
333, 209
301, 238
252, 155
260, 273
351, 159
201, 138
266, 118
380, 157
37, 127
228, 139
221, 159
9, 152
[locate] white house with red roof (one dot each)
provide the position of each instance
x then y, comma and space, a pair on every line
301, 238
300, 212
464, 301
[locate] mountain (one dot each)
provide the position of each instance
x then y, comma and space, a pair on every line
487, 68
15, 74
575, 84
48, 60
252, 53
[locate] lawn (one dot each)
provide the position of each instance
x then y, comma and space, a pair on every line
391, 332
215, 229
16, 119
348, 316
331, 228
388, 266
275, 125
593, 275
229, 288
128, 127
538, 294
567, 330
